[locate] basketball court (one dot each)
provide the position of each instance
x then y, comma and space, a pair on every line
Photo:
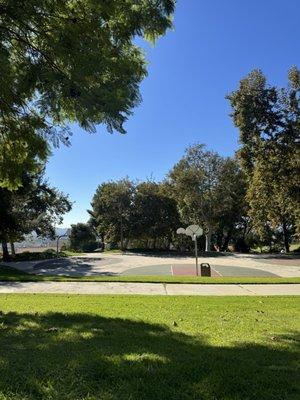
190, 270
227, 265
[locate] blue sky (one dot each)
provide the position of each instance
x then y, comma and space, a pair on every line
214, 44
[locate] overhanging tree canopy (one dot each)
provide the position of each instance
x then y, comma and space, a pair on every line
70, 61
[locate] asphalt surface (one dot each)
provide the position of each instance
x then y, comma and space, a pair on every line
228, 264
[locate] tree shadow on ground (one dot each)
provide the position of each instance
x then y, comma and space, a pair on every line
82, 266
79, 356
176, 254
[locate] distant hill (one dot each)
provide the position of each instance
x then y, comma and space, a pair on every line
60, 231
32, 240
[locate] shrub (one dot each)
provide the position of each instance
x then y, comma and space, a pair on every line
241, 246
91, 246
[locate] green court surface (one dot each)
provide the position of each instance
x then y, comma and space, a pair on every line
222, 270
225, 270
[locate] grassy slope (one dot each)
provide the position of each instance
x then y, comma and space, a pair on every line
10, 274
119, 348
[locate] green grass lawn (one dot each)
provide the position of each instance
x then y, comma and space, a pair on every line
74, 347
10, 274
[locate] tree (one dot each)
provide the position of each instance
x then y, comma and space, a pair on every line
209, 191
271, 209
155, 214
112, 207
123, 211
268, 119
35, 206
22, 148
231, 205
194, 179
82, 237
69, 61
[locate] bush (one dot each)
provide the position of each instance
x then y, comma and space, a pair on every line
64, 247
35, 256
241, 246
91, 246
111, 246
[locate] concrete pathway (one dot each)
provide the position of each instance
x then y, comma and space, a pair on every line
150, 288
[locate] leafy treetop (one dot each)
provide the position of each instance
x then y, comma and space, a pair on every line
69, 61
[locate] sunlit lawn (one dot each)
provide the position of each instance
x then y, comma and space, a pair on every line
10, 274
122, 347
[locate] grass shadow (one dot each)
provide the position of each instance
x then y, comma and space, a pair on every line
61, 356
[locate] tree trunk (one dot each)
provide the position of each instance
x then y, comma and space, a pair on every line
225, 244
12, 248
207, 241
285, 238
126, 243
226, 241
154, 242
122, 244
5, 254
169, 243
102, 240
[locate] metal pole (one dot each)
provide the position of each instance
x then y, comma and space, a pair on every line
196, 254
57, 241
121, 232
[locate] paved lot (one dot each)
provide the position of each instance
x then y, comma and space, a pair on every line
117, 288
138, 264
